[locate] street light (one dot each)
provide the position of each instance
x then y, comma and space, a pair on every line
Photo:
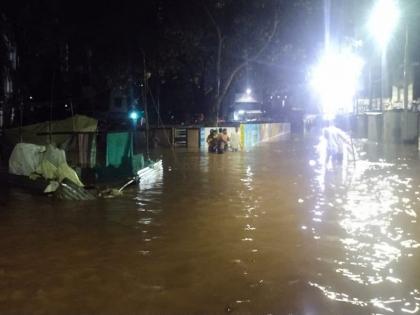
335, 79
383, 21
134, 115
382, 24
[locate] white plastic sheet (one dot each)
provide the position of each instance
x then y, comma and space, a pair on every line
25, 158
49, 162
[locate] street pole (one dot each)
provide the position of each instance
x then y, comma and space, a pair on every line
327, 22
370, 86
381, 81
406, 66
158, 99
20, 120
146, 112
51, 107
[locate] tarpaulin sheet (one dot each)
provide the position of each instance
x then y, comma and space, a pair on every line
30, 133
49, 162
25, 158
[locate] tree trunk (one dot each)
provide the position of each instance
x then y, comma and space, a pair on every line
215, 110
222, 89
219, 64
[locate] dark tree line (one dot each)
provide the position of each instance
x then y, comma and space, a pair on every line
73, 56
217, 45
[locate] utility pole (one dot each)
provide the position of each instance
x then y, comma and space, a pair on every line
327, 23
381, 82
146, 114
51, 107
158, 100
370, 86
406, 65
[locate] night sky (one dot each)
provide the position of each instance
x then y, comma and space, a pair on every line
88, 52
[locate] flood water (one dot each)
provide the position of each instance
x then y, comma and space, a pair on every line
269, 231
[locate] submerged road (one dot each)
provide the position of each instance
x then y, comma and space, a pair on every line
269, 231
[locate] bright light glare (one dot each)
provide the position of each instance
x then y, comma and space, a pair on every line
248, 91
335, 80
383, 21
134, 115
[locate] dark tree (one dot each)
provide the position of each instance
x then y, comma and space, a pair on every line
210, 43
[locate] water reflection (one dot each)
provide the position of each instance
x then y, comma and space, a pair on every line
363, 224
149, 189
242, 232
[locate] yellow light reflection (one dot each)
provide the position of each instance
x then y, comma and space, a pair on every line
371, 209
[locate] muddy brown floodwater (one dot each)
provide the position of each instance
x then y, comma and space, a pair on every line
269, 231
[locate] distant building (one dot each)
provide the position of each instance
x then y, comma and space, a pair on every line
397, 95
247, 107
119, 101
393, 91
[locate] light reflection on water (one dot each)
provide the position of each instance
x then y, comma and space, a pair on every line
374, 205
258, 232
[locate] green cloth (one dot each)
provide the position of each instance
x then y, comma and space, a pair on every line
119, 148
119, 153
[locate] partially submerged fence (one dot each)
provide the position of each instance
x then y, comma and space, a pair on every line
87, 149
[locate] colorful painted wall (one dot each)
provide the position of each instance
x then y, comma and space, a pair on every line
251, 134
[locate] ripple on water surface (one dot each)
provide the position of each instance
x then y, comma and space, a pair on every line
365, 231
258, 232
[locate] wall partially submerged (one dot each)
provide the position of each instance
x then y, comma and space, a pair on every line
251, 134
388, 126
